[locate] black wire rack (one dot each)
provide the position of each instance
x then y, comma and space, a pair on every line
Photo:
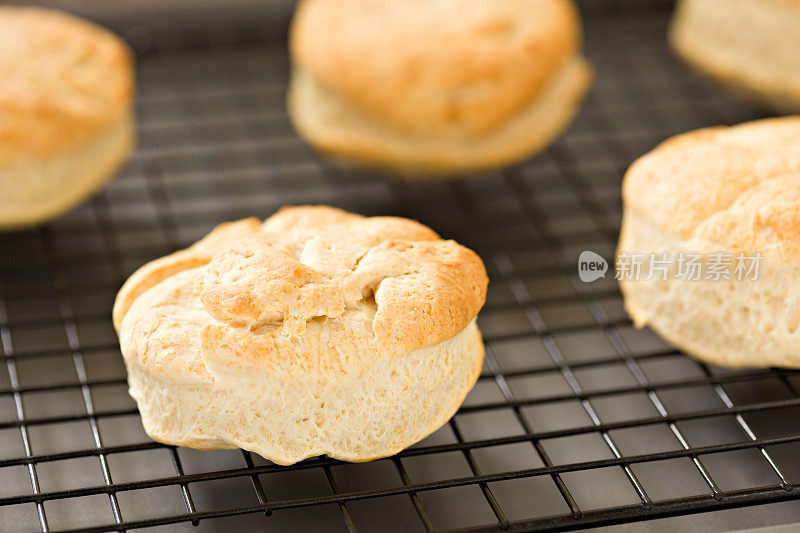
578, 419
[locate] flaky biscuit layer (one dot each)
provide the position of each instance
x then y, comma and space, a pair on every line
316, 332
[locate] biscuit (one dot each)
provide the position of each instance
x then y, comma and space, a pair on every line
435, 87
318, 332
66, 120
750, 45
731, 195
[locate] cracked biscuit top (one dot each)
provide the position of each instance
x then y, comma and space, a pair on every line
724, 189
307, 279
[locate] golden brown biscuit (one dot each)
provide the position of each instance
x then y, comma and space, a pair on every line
66, 88
730, 195
751, 45
316, 332
435, 86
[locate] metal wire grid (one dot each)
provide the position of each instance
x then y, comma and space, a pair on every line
578, 419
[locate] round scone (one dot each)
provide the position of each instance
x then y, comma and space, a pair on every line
425, 87
316, 332
66, 123
723, 204
752, 45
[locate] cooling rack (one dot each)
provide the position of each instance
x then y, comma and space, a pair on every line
578, 419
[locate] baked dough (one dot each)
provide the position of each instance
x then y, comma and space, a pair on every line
316, 332
435, 86
752, 45
66, 125
719, 191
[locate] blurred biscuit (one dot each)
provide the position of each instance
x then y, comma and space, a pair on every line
750, 45
730, 195
66, 121
435, 86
